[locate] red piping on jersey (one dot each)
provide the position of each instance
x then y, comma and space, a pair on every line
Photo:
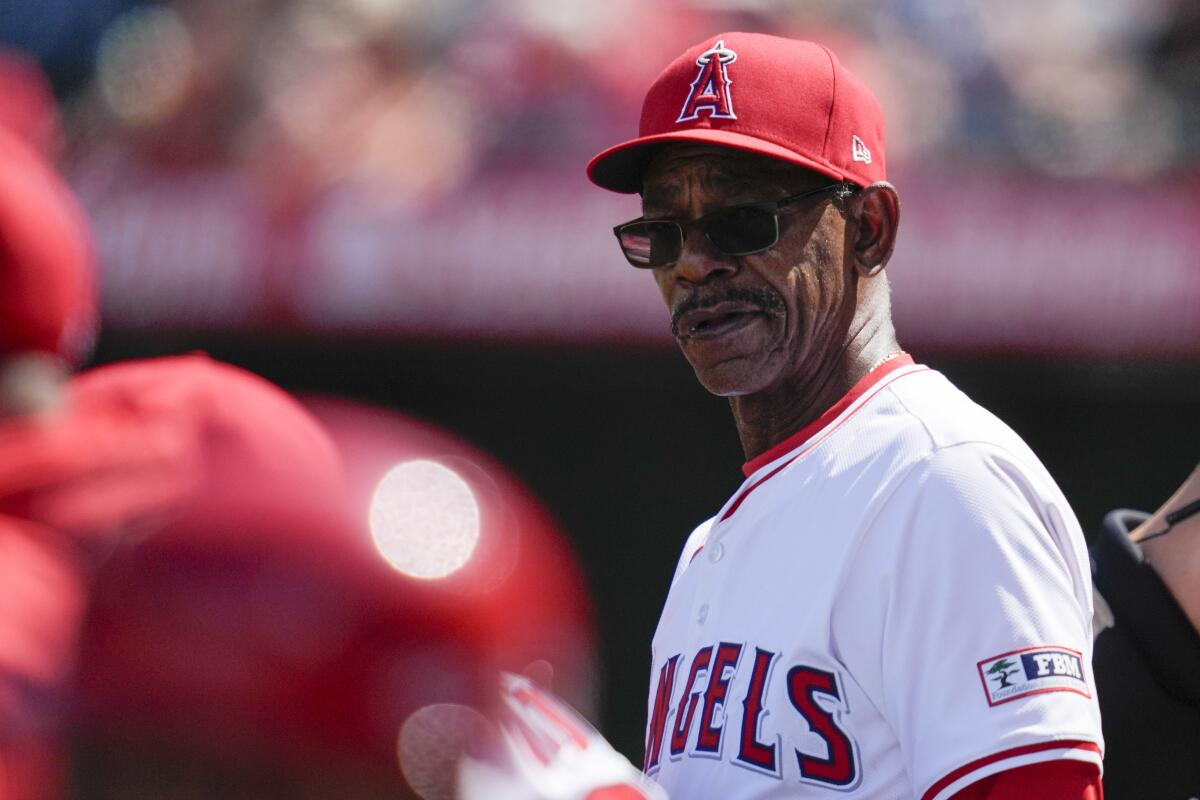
979, 763
796, 439
864, 386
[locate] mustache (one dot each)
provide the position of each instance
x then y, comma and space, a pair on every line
766, 299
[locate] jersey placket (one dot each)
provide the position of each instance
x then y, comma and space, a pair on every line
709, 563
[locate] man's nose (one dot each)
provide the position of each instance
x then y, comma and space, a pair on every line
700, 260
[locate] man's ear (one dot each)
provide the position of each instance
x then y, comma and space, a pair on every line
876, 210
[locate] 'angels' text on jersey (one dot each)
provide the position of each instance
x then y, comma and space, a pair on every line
702, 707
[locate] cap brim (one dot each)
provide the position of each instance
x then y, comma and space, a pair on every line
620, 167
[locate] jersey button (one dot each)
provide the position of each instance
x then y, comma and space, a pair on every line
702, 614
716, 552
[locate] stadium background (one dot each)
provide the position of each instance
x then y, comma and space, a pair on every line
384, 199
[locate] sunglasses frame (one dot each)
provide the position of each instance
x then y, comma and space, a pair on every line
771, 206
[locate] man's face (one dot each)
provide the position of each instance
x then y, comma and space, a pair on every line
766, 321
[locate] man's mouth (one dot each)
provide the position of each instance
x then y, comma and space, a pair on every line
716, 320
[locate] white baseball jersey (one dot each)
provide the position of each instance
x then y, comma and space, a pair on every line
895, 604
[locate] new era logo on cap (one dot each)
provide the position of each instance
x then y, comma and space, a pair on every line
795, 102
859, 151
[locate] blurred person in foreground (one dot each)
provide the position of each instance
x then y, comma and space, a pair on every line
895, 603
197, 609
46, 317
262, 646
1146, 568
192, 605
85, 461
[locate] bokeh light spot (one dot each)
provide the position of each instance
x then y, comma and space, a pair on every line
145, 64
433, 741
424, 519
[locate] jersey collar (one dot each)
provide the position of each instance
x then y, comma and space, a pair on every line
833, 412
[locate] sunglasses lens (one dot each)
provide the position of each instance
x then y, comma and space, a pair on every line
736, 231
743, 230
650, 244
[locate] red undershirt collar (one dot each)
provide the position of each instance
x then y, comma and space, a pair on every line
799, 437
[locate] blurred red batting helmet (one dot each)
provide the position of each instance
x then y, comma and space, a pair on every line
444, 512
263, 644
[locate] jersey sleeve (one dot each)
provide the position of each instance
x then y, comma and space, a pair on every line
965, 616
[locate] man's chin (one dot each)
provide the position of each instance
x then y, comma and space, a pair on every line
731, 378
731, 366
731, 356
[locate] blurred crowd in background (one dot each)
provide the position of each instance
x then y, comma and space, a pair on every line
304, 95
289, 162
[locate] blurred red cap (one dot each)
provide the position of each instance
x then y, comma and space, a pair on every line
234, 422
29, 109
783, 98
138, 437
47, 270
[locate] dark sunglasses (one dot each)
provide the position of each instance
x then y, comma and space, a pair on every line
741, 230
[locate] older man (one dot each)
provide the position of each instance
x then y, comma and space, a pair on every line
896, 602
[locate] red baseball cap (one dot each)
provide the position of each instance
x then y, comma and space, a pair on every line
786, 99
47, 266
136, 438
29, 109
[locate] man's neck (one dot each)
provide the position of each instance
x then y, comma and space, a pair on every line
766, 418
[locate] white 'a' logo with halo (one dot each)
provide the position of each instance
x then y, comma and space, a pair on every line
710, 90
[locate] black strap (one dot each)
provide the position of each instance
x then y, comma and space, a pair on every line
1178, 515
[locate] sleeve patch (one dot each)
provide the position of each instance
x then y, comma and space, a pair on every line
1032, 670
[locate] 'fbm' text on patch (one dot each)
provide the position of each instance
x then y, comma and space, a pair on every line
1032, 670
